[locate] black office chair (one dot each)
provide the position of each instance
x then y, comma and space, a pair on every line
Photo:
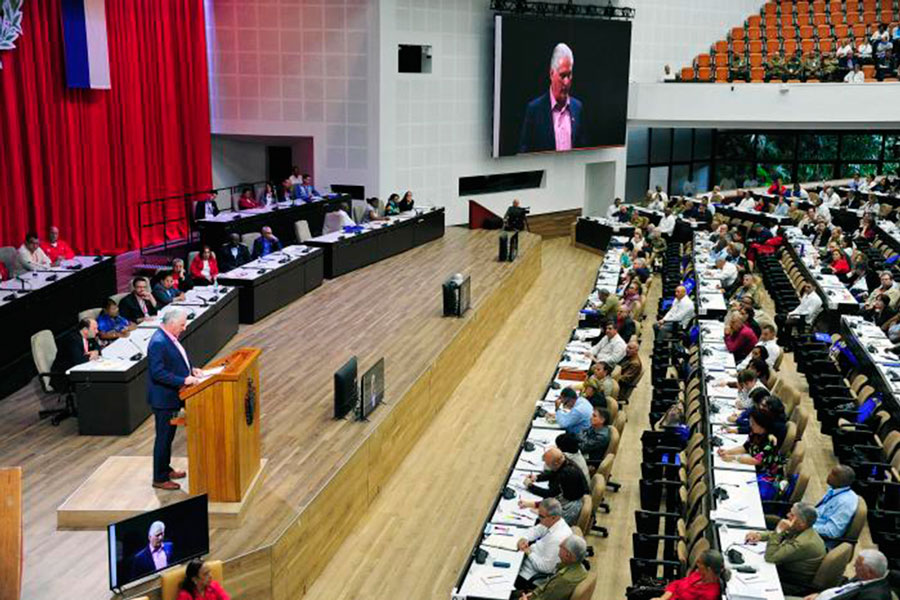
43, 350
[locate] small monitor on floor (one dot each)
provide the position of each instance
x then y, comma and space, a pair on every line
345, 388
372, 393
145, 544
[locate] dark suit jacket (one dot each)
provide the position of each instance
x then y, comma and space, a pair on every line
142, 563
131, 310
258, 247
164, 296
537, 130
69, 352
880, 589
227, 262
167, 373
200, 209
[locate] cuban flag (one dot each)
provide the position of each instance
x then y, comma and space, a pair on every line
87, 50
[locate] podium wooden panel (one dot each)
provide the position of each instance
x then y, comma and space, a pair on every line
11, 533
223, 447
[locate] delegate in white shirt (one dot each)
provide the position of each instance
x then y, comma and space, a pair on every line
810, 307
610, 351
544, 554
681, 311
855, 77
32, 261
667, 224
747, 203
728, 274
771, 347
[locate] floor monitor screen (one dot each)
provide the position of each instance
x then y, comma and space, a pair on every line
152, 541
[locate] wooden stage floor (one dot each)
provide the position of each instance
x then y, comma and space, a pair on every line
391, 309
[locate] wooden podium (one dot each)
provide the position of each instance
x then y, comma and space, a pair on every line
223, 428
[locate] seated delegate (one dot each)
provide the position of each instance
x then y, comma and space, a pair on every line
594, 441
198, 584
569, 572
183, 282
306, 191
407, 203
266, 243
870, 582
165, 291
794, 547
140, 303
75, 348
573, 412
57, 250
234, 254
110, 324
336, 219
204, 267
540, 544
705, 581
31, 257
565, 483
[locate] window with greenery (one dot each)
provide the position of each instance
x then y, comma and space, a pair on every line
818, 147
779, 146
861, 147
815, 171
891, 147
864, 169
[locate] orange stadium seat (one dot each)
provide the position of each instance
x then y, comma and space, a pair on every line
687, 73
772, 33
738, 46
720, 59
737, 33
804, 19
859, 30
757, 74
787, 6
836, 6
871, 4
756, 59
703, 60
770, 8
803, 7
820, 19
807, 32
840, 32
808, 46
818, 6
870, 17
825, 45
722, 47
853, 18
773, 45
789, 33
756, 45
787, 20
754, 33
836, 18
790, 46
771, 21
869, 70
722, 74
704, 73
754, 21
888, 15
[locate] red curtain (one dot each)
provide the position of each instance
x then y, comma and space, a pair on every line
85, 159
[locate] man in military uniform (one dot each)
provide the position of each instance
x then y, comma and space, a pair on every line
739, 68
775, 68
810, 67
830, 68
794, 66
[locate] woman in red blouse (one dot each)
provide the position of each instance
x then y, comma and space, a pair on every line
839, 264
204, 268
246, 201
703, 583
198, 584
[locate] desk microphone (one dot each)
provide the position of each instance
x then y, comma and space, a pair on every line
191, 315
96, 260
53, 277
76, 266
22, 279
140, 353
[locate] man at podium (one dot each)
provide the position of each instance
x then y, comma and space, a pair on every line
170, 369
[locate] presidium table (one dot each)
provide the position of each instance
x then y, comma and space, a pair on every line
112, 392
47, 299
345, 252
280, 217
275, 280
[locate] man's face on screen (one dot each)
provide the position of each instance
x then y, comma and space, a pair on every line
561, 79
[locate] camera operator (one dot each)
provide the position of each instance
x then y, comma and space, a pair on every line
515, 218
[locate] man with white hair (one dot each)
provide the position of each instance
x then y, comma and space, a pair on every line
554, 121
156, 555
680, 313
169, 369
870, 583
569, 572
795, 547
540, 544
